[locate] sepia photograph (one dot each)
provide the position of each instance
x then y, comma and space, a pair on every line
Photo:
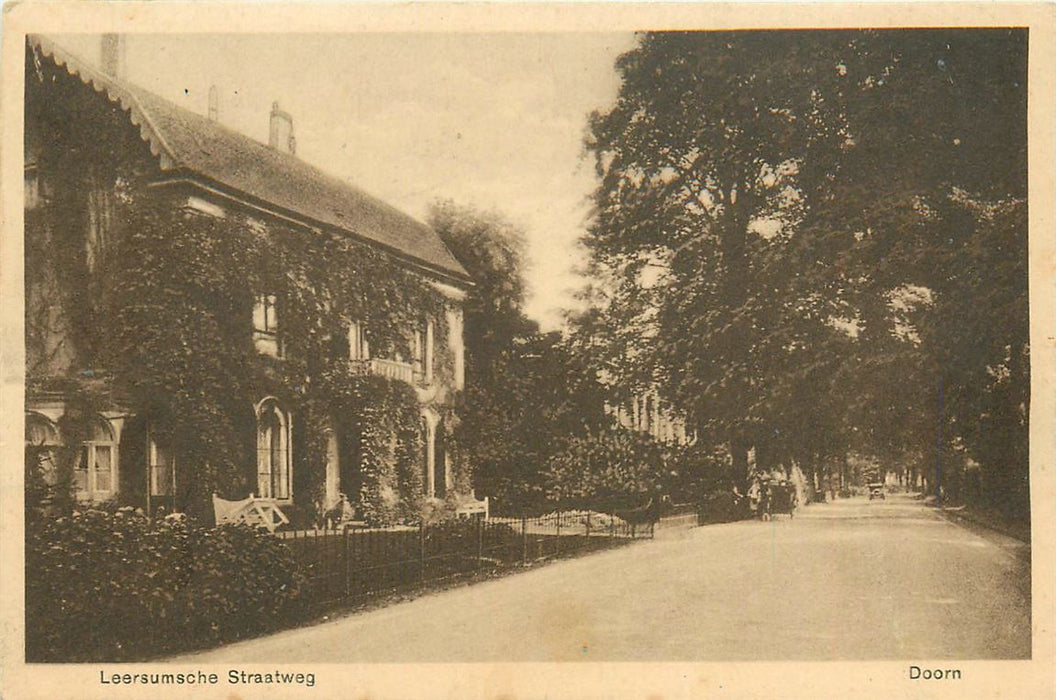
553, 346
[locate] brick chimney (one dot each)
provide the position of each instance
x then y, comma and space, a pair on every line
280, 133
112, 55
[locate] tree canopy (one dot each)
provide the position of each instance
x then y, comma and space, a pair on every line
525, 390
801, 235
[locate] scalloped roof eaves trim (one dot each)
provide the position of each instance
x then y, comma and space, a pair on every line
102, 84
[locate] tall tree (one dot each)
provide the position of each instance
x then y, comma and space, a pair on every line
813, 202
524, 389
697, 162
936, 170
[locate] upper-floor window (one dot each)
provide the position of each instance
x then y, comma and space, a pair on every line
454, 343
358, 347
266, 325
427, 351
422, 350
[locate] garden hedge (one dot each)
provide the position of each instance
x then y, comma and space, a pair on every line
118, 586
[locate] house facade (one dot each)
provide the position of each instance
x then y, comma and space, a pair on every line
206, 314
646, 412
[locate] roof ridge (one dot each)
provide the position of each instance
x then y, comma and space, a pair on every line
76, 66
184, 139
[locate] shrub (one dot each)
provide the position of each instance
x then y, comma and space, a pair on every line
722, 507
699, 470
617, 468
118, 586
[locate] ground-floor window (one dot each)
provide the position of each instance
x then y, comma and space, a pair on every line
273, 450
95, 475
42, 443
162, 465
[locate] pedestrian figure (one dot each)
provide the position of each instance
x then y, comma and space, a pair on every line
768, 499
754, 496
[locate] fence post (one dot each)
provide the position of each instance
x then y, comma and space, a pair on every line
344, 561
588, 526
421, 550
480, 538
612, 526
558, 532
524, 539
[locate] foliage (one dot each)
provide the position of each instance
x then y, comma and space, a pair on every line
493, 251
699, 152
944, 244
981, 342
722, 507
792, 228
613, 467
525, 390
39, 492
697, 469
158, 298
117, 586
384, 414
180, 346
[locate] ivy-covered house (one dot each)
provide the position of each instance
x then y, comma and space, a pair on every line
209, 314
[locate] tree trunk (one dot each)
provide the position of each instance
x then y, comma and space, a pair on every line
735, 267
739, 454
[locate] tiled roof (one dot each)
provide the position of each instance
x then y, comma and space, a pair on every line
187, 141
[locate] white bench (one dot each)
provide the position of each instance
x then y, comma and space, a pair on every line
471, 506
253, 511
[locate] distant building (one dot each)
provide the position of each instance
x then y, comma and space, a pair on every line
646, 412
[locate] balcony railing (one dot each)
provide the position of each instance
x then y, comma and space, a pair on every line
393, 369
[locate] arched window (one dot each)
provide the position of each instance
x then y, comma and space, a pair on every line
95, 478
42, 440
273, 450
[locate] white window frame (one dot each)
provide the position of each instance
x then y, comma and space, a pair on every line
418, 351
455, 340
153, 485
87, 461
280, 489
358, 348
51, 443
428, 350
266, 325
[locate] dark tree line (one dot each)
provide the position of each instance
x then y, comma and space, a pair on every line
815, 244
526, 391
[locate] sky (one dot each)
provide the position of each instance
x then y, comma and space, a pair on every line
495, 121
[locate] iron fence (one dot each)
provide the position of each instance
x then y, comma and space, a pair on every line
679, 515
356, 563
